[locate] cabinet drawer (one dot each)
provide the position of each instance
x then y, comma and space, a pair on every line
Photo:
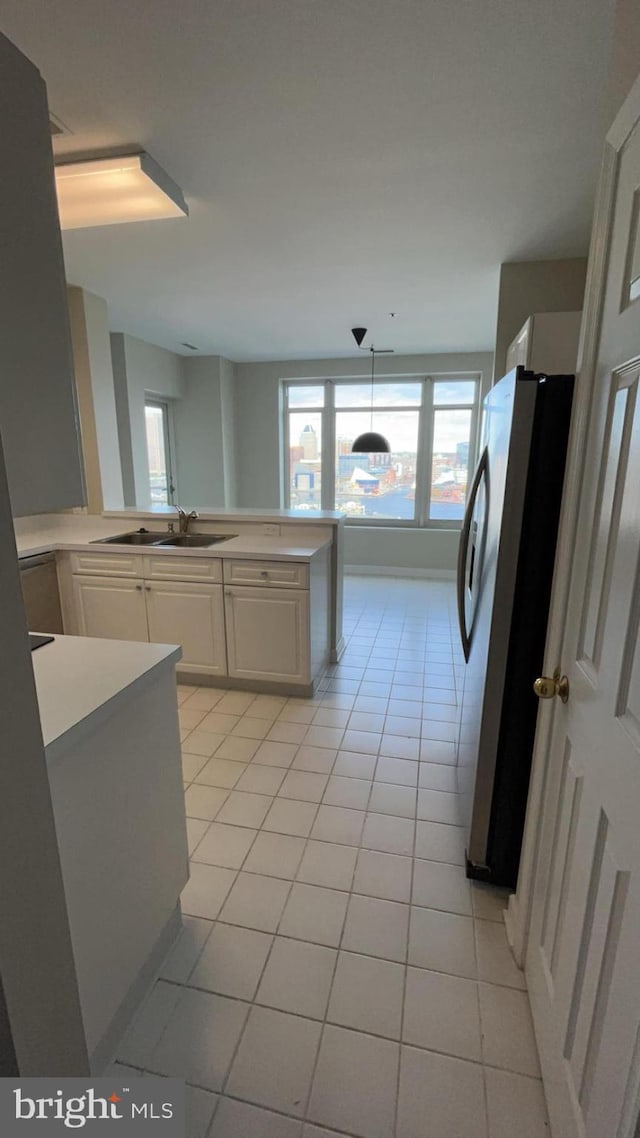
282, 574
168, 567
108, 564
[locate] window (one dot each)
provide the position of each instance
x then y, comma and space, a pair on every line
304, 423
161, 483
429, 424
453, 407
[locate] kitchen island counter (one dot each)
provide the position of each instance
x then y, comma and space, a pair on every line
271, 548
110, 726
81, 679
78, 533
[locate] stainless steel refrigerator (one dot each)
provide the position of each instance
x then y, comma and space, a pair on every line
505, 569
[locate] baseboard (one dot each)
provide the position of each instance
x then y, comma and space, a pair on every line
230, 683
103, 1052
393, 571
337, 653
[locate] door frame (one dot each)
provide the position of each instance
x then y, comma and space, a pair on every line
519, 913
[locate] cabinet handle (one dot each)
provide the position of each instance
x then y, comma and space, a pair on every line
148, 588
264, 573
139, 588
228, 593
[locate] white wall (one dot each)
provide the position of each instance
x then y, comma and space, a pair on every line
258, 449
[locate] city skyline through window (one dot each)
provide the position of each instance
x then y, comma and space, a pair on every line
423, 480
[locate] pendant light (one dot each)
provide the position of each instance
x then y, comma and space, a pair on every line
370, 442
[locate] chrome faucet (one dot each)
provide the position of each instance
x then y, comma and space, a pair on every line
185, 518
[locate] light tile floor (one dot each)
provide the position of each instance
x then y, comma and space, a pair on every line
337, 973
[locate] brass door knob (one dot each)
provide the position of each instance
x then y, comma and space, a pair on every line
547, 686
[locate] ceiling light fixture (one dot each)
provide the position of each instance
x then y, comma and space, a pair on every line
114, 190
370, 442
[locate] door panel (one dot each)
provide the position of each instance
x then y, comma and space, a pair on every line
110, 608
191, 615
582, 955
268, 634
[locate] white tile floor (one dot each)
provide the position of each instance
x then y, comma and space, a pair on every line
337, 973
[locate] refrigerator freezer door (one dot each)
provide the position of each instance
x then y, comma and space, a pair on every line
507, 425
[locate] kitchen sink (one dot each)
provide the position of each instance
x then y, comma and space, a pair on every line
169, 540
195, 540
139, 537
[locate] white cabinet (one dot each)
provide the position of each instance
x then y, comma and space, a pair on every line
253, 628
110, 607
267, 634
167, 612
276, 574
190, 614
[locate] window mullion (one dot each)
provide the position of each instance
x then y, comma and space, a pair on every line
286, 457
328, 447
426, 452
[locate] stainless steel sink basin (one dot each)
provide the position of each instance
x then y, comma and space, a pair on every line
194, 540
140, 537
174, 540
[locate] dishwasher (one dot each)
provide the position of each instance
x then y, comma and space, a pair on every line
40, 592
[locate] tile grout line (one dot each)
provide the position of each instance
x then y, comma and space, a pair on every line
329, 994
328, 699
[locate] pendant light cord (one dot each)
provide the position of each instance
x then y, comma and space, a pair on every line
373, 360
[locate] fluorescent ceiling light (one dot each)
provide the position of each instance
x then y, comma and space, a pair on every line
111, 191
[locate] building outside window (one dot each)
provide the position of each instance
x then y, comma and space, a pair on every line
159, 452
430, 424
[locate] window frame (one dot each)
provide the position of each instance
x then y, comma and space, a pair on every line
164, 406
424, 454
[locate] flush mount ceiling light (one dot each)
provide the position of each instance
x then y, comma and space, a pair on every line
114, 190
370, 442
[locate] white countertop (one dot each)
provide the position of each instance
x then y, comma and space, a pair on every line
78, 532
244, 514
79, 679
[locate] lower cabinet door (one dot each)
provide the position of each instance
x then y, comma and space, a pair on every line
192, 615
110, 607
267, 633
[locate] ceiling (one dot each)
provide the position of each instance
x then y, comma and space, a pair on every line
342, 159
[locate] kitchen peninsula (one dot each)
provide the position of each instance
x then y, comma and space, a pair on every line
259, 608
111, 738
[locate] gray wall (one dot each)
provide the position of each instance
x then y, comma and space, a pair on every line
89, 319
200, 390
38, 416
123, 417
37, 970
534, 286
228, 409
199, 424
258, 450
625, 56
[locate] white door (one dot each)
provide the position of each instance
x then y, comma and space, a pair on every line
111, 607
583, 952
267, 634
192, 615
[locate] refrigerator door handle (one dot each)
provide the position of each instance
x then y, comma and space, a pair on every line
463, 550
